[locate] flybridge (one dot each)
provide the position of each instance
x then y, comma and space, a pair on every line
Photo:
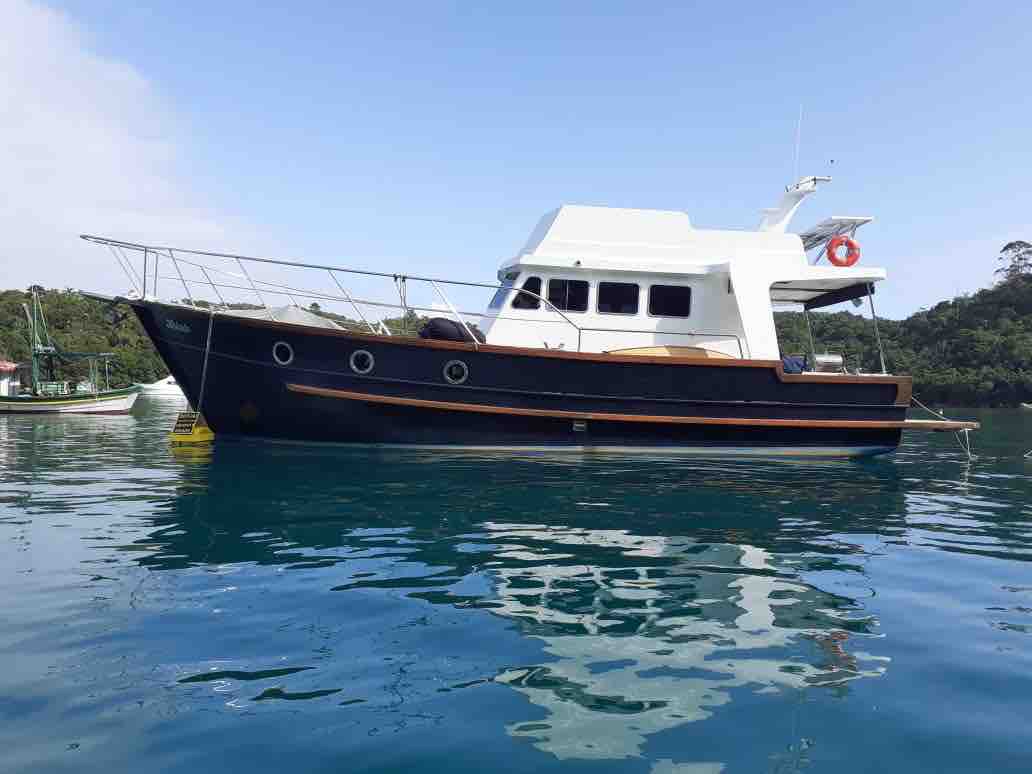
647, 238
643, 240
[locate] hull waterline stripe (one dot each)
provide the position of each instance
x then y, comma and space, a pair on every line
441, 405
659, 451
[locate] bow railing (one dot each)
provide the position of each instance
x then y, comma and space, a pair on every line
230, 282
151, 267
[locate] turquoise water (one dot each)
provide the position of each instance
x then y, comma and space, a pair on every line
288, 608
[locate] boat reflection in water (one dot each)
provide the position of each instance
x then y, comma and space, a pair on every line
666, 646
651, 605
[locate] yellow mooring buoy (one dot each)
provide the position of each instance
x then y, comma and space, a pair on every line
190, 428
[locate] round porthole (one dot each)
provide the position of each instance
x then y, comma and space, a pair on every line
362, 361
282, 353
455, 372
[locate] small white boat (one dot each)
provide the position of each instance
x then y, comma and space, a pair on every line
103, 402
1026, 406
46, 394
166, 386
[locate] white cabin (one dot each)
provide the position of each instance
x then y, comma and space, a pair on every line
606, 279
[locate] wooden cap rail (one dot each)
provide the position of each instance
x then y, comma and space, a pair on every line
478, 408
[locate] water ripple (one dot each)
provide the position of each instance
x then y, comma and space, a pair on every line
292, 605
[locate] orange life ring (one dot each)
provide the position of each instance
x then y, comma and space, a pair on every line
852, 251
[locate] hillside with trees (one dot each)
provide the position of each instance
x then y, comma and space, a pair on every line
975, 350
79, 324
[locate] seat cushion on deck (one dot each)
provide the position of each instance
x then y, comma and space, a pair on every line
668, 351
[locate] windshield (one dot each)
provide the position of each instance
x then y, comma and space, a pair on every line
503, 292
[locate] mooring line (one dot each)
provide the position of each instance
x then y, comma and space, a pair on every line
963, 437
204, 368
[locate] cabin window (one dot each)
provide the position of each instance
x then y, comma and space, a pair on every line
617, 298
568, 295
670, 301
526, 300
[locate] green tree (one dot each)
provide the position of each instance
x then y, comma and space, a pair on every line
1016, 258
79, 324
971, 350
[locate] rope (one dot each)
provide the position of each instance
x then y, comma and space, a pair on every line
933, 412
963, 437
965, 444
204, 368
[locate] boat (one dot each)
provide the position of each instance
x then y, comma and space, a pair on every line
1026, 405
612, 329
50, 395
163, 387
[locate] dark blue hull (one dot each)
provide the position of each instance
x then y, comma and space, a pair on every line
311, 390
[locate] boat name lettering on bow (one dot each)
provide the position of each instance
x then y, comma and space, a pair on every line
178, 327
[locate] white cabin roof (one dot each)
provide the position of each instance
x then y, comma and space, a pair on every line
646, 241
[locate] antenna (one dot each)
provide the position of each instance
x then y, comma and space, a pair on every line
798, 137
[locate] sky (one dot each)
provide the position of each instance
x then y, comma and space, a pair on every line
430, 137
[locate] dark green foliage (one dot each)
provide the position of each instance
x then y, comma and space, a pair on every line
1016, 258
972, 351
405, 325
79, 324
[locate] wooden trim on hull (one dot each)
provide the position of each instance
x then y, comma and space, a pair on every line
903, 383
441, 405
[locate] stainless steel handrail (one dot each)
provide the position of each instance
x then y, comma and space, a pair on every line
258, 286
279, 262
175, 254
321, 296
472, 338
